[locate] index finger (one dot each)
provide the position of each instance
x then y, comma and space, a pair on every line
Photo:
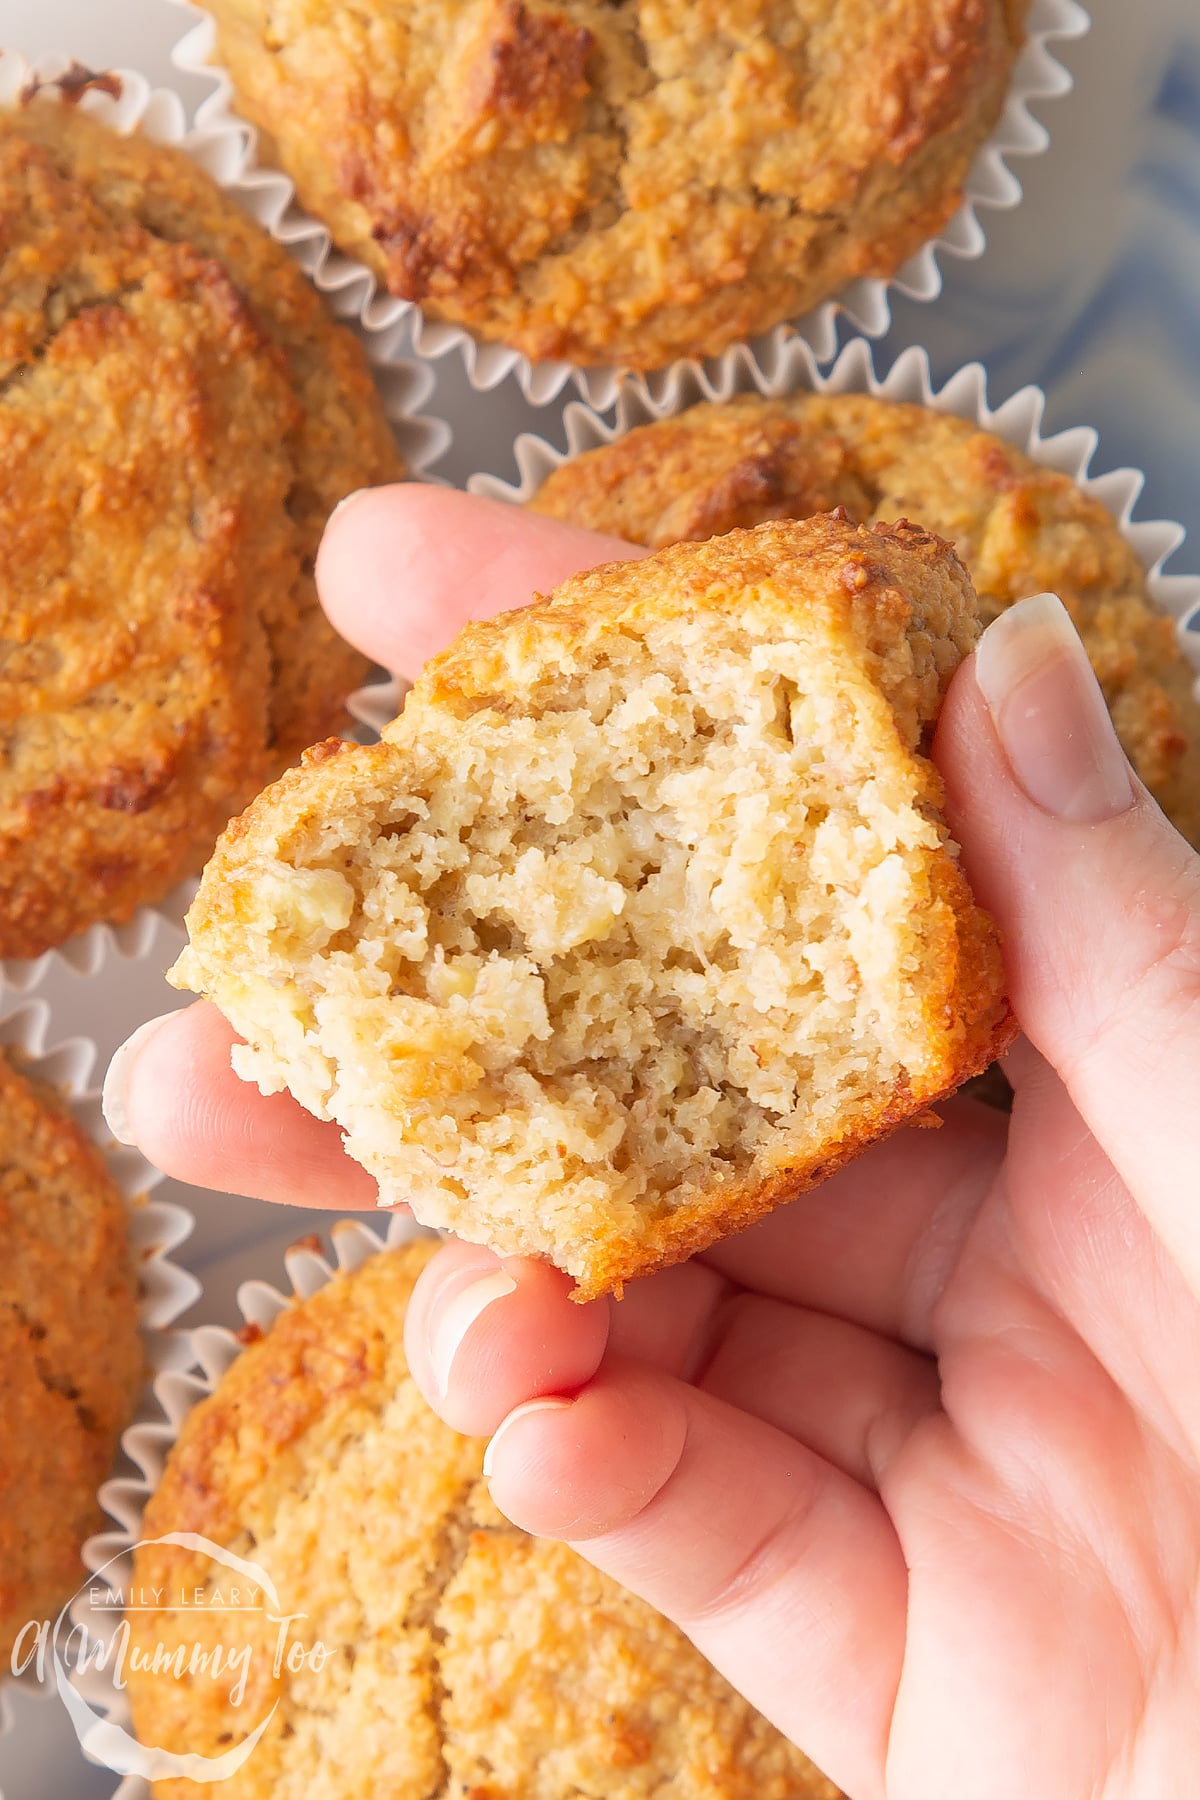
402, 569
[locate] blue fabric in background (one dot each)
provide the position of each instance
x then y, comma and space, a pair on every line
1091, 286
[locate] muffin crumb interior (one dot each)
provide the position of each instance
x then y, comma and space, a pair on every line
604, 947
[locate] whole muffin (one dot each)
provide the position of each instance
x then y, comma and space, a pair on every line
463, 1657
642, 917
70, 1354
178, 416
626, 183
1020, 528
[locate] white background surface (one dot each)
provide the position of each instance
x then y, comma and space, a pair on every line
1030, 308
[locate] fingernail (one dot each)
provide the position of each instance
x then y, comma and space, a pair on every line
456, 1317
344, 504
1050, 715
114, 1099
550, 1404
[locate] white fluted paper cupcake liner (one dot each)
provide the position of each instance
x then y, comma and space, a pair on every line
991, 184
222, 149
377, 704
156, 1228
177, 1390
793, 369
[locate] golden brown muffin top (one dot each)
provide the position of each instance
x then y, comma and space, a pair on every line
465, 1657
140, 412
624, 183
338, 438
1020, 528
70, 1353
177, 416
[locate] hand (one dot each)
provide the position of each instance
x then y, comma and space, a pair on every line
916, 1461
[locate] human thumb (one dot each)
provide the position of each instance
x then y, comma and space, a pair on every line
1098, 898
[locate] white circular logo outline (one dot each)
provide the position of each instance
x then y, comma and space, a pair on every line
108, 1743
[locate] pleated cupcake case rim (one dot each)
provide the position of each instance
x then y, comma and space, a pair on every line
212, 1352
156, 1227
224, 151
1018, 420
991, 185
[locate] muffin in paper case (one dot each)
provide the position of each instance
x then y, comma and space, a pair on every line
99, 1706
794, 369
430, 1645
30, 1042
991, 184
126, 103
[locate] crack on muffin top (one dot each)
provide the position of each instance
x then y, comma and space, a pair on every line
623, 183
465, 1657
178, 415
58, 319
338, 438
